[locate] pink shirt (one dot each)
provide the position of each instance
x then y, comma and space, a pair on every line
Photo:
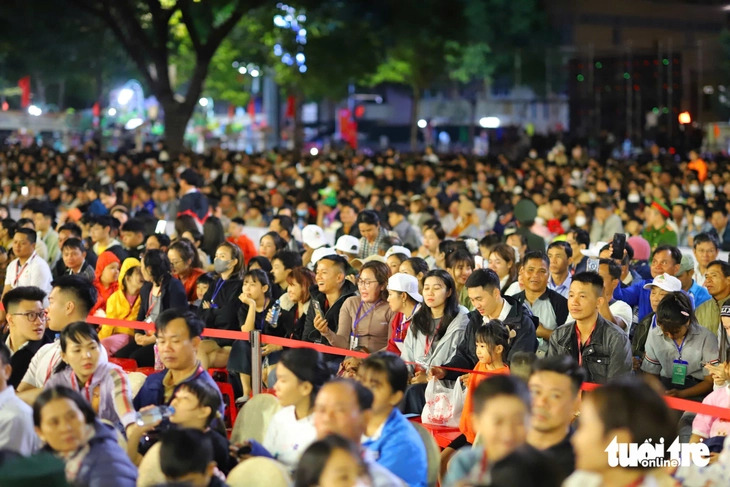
708, 426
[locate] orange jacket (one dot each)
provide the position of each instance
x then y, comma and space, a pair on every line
465, 425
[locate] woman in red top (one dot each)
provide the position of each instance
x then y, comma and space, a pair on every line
105, 282
186, 266
404, 300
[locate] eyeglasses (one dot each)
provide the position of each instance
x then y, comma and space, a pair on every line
33, 315
366, 283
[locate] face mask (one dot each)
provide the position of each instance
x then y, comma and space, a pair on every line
698, 220
221, 265
694, 188
633, 198
580, 220
301, 212
271, 184
160, 170
299, 184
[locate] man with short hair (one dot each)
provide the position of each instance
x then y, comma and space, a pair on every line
178, 337
344, 407
399, 224
666, 259
721, 229
560, 254
600, 347
348, 217
187, 458
613, 310
284, 225
332, 291
483, 289
71, 299
237, 237
43, 219
282, 264
606, 223
372, 233
717, 283
17, 433
657, 232
686, 271
388, 434
27, 331
28, 269
74, 259
101, 233
547, 305
555, 385
578, 239
133, 238
192, 201
706, 248
66, 231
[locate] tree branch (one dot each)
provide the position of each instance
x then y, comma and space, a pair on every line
189, 22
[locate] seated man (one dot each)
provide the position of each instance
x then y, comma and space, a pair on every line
27, 331
602, 348
70, 300
186, 458
550, 308
16, 418
389, 436
73, 254
178, 336
344, 407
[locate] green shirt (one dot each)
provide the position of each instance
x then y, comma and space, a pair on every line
660, 236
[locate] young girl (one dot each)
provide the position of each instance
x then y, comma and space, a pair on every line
256, 298
404, 300
705, 426
123, 305
201, 287
104, 385
107, 273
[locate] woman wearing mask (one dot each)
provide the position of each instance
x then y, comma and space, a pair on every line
186, 266
364, 320
220, 305
105, 386
123, 305
67, 425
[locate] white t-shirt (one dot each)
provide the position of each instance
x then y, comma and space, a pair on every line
35, 272
45, 361
286, 437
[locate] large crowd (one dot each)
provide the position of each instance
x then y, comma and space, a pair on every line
505, 283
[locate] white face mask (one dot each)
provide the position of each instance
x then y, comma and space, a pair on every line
633, 198
698, 220
580, 220
694, 188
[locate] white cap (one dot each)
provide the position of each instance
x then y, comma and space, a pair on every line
313, 236
666, 282
322, 252
594, 250
398, 249
348, 244
405, 283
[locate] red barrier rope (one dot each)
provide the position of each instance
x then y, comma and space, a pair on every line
672, 402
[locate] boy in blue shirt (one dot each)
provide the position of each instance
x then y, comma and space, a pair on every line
389, 436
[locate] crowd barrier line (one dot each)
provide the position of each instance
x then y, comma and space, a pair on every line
673, 402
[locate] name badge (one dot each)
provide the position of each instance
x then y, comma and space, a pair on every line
679, 372
354, 342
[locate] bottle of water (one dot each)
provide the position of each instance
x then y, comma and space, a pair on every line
153, 415
275, 312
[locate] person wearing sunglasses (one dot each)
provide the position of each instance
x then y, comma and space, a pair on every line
27, 331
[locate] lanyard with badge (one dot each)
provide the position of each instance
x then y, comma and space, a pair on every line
679, 366
19, 270
398, 335
354, 337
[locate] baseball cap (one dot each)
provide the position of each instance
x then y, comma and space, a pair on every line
348, 244
666, 282
397, 249
313, 236
405, 283
322, 252
725, 310
687, 264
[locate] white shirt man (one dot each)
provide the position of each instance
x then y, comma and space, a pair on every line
29, 269
16, 418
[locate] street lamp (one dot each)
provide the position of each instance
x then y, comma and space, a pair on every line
489, 122
203, 102
422, 124
35, 111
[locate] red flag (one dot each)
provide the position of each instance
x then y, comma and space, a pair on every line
252, 109
291, 107
24, 85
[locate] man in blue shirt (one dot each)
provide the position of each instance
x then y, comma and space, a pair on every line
395, 443
666, 259
689, 285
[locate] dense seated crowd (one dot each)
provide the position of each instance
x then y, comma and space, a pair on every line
515, 270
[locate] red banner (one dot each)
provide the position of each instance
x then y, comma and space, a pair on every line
24, 85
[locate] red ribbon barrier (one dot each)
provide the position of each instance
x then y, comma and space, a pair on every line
672, 402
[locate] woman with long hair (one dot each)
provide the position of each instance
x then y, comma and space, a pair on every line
270, 243
186, 265
502, 260
460, 265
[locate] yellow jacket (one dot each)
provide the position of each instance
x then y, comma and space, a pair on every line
118, 307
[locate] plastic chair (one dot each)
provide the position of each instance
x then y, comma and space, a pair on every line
259, 472
127, 364
136, 380
254, 417
231, 413
222, 374
433, 454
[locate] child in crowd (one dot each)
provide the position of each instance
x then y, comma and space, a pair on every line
201, 287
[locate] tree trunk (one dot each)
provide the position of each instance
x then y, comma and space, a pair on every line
177, 116
472, 121
298, 128
61, 94
414, 117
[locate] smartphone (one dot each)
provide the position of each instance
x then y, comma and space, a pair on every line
592, 265
161, 226
317, 308
619, 246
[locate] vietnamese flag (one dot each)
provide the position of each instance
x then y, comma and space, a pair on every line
24, 85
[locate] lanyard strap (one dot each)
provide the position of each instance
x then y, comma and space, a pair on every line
218, 285
427, 348
680, 347
403, 320
75, 385
19, 270
359, 318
